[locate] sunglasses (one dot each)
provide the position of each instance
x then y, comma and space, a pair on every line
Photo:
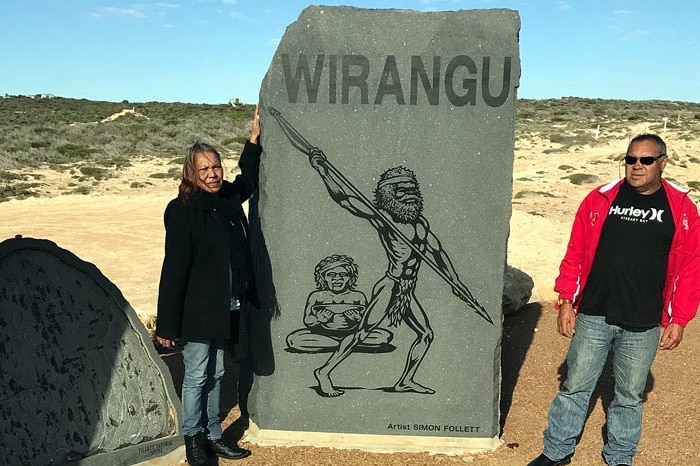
645, 160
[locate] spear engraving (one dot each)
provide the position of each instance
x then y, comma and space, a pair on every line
299, 142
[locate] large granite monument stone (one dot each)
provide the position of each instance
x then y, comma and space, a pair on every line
81, 381
385, 205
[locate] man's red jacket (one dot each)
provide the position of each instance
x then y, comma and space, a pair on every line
682, 286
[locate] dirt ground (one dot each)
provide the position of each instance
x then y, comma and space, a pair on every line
119, 229
532, 363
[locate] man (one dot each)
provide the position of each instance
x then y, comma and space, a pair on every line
397, 216
631, 265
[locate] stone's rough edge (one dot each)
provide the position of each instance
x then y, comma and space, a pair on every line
133, 452
321, 9
372, 443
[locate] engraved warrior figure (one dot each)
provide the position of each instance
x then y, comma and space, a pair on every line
397, 216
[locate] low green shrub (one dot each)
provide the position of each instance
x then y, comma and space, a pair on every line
9, 176
75, 152
174, 173
82, 189
95, 172
525, 194
582, 178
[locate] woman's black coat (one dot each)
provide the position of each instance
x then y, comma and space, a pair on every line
195, 286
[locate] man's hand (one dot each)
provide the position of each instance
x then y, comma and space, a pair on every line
566, 320
672, 336
317, 158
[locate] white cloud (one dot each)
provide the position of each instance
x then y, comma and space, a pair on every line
229, 2
562, 5
237, 15
133, 12
136, 10
624, 24
622, 13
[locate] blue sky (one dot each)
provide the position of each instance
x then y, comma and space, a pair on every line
209, 51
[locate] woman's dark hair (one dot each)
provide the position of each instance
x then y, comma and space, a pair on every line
188, 185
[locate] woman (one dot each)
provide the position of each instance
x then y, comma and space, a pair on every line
206, 272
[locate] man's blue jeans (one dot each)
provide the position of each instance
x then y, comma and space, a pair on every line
201, 387
633, 354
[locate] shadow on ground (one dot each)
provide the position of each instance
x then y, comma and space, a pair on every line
518, 332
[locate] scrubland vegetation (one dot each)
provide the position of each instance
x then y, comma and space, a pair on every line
93, 140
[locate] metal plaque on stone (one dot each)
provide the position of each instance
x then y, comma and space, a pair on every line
385, 202
81, 381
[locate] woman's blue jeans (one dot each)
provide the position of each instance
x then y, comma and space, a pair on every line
201, 387
633, 354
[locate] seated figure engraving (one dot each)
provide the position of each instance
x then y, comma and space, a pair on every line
334, 310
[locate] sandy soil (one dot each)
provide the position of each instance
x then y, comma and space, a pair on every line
119, 229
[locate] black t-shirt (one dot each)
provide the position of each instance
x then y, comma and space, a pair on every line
629, 269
